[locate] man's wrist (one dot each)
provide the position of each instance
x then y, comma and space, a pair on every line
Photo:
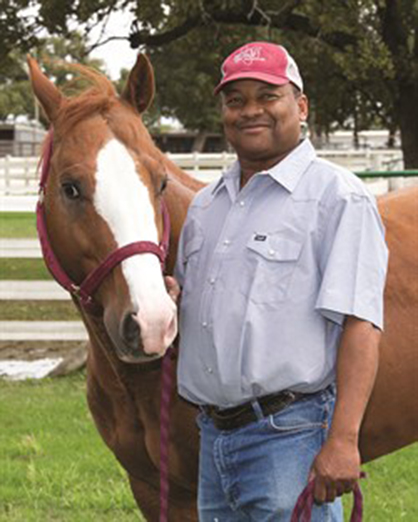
344, 435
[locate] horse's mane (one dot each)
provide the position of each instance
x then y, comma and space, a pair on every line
99, 97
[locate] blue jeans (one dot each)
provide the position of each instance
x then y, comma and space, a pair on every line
256, 473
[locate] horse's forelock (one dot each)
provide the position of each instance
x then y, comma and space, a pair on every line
101, 98
98, 98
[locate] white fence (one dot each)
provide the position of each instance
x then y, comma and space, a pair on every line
19, 176
34, 291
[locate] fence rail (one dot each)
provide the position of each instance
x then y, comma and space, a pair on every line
19, 175
15, 290
42, 331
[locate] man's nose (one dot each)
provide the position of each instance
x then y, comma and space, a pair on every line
251, 109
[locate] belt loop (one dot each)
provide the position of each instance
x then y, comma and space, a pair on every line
257, 409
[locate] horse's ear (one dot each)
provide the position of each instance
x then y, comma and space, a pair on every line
45, 91
140, 87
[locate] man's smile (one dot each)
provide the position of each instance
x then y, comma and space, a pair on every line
254, 127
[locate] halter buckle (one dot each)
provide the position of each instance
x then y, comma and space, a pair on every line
77, 292
41, 195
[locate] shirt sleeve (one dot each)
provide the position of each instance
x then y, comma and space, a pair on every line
353, 262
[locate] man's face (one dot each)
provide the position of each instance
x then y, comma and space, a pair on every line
262, 121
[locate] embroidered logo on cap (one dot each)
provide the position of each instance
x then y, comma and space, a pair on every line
250, 55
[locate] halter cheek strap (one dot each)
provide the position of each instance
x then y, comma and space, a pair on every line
85, 290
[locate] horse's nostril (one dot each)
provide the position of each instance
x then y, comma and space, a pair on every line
130, 330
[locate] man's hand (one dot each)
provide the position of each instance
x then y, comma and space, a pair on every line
336, 469
173, 287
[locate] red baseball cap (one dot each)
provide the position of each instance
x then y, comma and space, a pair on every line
262, 61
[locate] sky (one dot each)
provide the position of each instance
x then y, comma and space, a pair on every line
116, 54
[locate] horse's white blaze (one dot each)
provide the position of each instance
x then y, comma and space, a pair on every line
123, 201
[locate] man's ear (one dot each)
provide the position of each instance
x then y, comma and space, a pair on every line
45, 91
140, 87
303, 105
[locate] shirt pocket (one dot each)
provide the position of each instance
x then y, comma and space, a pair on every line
271, 262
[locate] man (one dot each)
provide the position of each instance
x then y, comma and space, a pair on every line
282, 265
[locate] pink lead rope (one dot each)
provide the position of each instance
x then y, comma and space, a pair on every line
166, 389
302, 511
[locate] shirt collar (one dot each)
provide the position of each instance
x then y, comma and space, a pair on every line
287, 172
229, 179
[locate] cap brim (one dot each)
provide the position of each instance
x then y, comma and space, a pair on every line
267, 78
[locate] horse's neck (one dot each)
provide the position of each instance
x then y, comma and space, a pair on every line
180, 191
181, 177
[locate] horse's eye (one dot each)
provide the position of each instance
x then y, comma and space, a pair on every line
71, 190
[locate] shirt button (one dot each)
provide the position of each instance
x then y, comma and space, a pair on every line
204, 324
212, 280
241, 203
272, 253
209, 370
227, 242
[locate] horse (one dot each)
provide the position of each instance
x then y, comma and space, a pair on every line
107, 187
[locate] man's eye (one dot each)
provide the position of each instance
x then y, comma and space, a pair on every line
71, 190
233, 101
269, 96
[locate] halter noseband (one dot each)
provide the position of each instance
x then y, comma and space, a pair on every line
84, 291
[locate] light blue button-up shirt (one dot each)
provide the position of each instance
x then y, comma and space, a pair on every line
268, 274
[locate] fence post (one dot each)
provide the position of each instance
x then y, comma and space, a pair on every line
376, 160
196, 163
395, 184
26, 171
7, 174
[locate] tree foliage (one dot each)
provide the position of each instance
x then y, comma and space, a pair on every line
359, 58
54, 53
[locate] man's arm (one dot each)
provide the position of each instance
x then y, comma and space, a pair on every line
337, 466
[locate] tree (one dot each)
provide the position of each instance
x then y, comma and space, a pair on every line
17, 28
54, 53
359, 57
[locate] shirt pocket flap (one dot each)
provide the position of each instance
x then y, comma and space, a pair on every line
276, 248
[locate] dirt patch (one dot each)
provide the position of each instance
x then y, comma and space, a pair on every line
73, 353
10, 350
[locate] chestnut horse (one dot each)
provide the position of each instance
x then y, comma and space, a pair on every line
105, 185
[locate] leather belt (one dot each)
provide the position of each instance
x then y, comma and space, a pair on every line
243, 414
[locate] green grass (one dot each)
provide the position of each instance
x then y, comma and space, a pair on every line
38, 311
23, 269
390, 491
17, 224
53, 465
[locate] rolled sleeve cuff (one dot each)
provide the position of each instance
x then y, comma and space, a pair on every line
336, 311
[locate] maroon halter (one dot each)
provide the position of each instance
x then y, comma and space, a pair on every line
85, 290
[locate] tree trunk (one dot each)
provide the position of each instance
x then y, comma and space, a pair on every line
199, 142
408, 123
